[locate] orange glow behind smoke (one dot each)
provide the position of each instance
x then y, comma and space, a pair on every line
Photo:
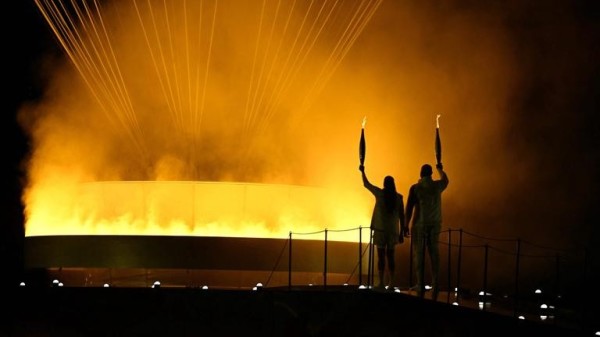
195, 208
183, 92
243, 118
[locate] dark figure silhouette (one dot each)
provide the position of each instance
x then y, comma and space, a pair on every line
387, 224
425, 202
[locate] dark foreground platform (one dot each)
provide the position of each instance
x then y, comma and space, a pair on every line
309, 311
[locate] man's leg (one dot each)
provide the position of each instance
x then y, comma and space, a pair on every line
418, 253
434, 255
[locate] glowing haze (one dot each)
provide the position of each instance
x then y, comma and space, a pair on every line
185, 94
201, 117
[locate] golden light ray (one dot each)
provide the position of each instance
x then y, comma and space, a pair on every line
156, 149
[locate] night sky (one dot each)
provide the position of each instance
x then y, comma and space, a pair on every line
551, 126
24, 44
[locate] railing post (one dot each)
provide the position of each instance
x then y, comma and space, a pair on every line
556, 289
516, 301
370, 267
449, 264
325, 263
359, 255
410, 263
584, 303
485, 272
290, 264
459, 262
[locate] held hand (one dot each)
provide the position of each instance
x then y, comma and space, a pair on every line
361, 168
439, 166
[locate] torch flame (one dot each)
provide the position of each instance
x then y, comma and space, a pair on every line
437, 121
364, 121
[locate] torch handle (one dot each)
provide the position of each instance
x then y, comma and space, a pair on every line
362, 147
438, 146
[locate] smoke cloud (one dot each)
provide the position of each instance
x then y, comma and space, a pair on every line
188, 96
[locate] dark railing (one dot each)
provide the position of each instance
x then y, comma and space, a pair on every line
511, 276
512, 294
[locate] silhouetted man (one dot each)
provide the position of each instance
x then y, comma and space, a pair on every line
425, 200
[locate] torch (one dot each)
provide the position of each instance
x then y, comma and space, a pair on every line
438, 142
362, 147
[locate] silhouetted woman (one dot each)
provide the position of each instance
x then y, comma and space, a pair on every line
387, 223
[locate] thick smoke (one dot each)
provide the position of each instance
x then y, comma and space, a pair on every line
513, 84
502, 76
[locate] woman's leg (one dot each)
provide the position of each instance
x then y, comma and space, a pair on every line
391, 260
380, 265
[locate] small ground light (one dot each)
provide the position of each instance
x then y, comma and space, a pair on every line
345, 284
258, 286
22, 284
597, 333
454, 303
55, 282
521, 317
538, 291
204, 287
546, 311
106, 285
362, 286
484, 297
428, 287
156, 284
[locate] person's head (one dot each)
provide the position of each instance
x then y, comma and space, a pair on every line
426, 170
388, 183
389, 191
